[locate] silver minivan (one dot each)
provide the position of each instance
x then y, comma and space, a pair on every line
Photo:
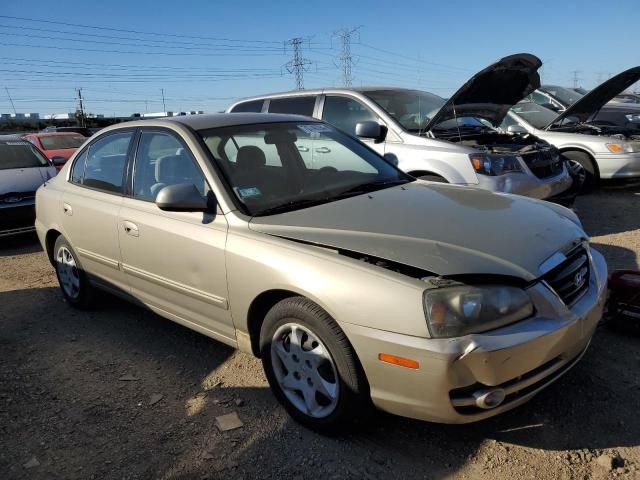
441, 140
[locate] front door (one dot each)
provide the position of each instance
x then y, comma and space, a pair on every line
174, 261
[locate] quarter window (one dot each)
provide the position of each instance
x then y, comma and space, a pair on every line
106, 161
345, 113
163, 160
78, 167
254, 106
293, 105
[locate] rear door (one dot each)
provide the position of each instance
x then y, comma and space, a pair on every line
92, 202
174, 261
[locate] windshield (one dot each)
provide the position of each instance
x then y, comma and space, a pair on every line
276, 167
413, 109
534, 114
20, 154
565, 95
59, 142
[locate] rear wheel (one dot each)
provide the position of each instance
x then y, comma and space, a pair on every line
311, 366
583, 166
73, 281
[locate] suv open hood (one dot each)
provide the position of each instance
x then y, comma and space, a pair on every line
442, 229
490, 93
599, 96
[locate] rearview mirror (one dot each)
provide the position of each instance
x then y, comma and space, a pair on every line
183, 197
516, 129
371, 130
58, 161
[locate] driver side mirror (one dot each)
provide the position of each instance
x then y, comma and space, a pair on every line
184, 197
516, 129
371, 130
58, 161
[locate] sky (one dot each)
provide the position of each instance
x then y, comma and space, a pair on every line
204, 54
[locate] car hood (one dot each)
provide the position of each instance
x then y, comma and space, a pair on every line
599, 96
18, 180
443, 229
491, 92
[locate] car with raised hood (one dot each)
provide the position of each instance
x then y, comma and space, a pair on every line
58, 146
23, 168
604, 151
355, 283
437, 139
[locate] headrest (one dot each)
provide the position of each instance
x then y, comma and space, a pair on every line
168, 165
250, 157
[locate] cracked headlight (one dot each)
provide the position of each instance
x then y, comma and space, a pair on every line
486, 164
621, 147
460, 310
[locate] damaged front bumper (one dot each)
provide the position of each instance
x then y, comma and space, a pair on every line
520, 359
527, 184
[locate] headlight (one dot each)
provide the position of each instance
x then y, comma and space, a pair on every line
621, 147
460, 310
633, 117
494, 164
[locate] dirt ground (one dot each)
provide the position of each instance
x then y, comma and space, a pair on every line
120, 393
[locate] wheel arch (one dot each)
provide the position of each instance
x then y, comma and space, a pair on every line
585, 152
50, 241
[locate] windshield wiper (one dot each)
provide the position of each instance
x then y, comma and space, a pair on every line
293, 205
371, 187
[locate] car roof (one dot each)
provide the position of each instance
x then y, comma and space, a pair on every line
216, 120
11, 138
55, 134
319, 91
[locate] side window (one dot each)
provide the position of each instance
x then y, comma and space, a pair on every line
78, 167
254, 106
344, 113
162, 160
293, 105
106, 161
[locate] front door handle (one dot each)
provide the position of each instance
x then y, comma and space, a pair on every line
130, 228
66, 208
323, 150
302, 148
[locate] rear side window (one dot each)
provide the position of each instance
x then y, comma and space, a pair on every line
254, 106
106, 160
293, 105
78, 168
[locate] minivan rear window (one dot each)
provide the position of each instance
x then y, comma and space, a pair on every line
293, 105
254, 106
20, 154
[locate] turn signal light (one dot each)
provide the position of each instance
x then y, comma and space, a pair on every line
400, 361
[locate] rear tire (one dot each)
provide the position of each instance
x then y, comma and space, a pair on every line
583, 160
311, 367
74, 284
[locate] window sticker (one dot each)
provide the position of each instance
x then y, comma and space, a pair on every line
248, 192
312, 128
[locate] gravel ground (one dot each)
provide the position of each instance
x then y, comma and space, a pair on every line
120, 393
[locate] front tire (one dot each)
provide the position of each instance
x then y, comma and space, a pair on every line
311, 367
74, 284
584, 161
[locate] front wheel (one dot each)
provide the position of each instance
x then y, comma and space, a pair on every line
582, 166
73, 281
311, 367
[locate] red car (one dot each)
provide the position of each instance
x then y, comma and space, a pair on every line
57, 146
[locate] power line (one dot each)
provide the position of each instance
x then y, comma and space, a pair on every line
297, 65
163, 34
346, 59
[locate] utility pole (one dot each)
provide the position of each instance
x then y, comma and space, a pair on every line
79, 90
346, 60
576, 78
297, 65
164, 107
11, 100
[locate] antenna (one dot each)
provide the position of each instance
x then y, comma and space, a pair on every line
346, 59
297, 65
11, 100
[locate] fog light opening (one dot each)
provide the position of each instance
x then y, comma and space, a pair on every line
488, 399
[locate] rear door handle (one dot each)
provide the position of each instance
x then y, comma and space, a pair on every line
130, 228
302, 148
323, 150
66, 208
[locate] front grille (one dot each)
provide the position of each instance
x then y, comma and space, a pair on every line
17, 217
544, 163
570, 279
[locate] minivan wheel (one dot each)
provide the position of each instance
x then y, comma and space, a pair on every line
311, 367
73, 281
583, 163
